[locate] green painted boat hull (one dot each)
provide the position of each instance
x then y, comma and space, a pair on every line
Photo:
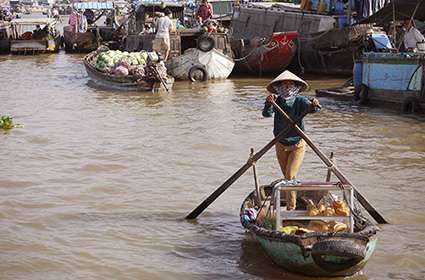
320, 254
297, 259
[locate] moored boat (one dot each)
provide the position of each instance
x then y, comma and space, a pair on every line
88, 35
392, 79
44, 38
258, 56
306, 244
127, 83
325, 42
197, 65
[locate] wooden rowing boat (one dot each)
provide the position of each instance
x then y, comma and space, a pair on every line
317, 253
126, 83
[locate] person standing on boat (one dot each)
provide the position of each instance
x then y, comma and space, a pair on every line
204, 12
412, 36
89, 14
161, 43
73, 20
285, 91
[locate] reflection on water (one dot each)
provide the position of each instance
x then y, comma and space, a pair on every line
96, 183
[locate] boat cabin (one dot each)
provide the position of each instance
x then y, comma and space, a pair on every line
141, 34
34, 35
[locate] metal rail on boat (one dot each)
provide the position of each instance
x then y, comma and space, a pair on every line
283, 214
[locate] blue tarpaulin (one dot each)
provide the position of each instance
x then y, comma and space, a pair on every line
93, 5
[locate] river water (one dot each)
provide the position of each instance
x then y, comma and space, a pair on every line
95, 184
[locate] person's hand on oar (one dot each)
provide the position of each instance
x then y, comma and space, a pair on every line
314, 104
271, 98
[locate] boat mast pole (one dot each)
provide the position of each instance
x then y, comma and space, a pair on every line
349, 12
394, 27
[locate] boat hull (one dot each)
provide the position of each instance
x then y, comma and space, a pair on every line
324, 254
393, 80
272, 57
216, 64
4, 46
35, 46
315, 31
295, 258
79, 42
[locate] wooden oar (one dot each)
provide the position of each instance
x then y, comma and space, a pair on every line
201, 207
369, 208
256, 182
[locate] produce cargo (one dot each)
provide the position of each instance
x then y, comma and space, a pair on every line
129, 64
108, 60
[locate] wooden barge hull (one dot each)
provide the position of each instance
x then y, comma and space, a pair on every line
5, 46
322, 47
272, 57
79, 42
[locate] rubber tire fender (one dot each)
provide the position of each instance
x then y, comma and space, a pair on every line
195, 68
205, 43
343, 248
363, 95
410, 105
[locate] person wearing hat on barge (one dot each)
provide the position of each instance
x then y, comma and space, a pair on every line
285, 91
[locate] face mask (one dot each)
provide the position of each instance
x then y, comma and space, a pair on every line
287, 92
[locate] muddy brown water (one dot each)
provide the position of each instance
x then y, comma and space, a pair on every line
96, 183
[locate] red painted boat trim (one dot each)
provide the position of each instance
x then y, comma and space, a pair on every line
272, 57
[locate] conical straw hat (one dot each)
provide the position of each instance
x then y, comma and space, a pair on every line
287, 76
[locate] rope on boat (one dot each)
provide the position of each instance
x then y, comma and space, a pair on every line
245, 57
252, 51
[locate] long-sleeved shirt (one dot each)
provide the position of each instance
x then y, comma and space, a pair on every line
294, 107
412, 37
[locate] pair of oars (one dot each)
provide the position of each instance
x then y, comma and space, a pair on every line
292, 125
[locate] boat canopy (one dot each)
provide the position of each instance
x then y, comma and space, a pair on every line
402, 9
157, 3
93, 5
33, 21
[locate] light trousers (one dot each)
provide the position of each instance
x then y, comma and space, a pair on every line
290, 159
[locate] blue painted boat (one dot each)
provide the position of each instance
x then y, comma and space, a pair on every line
393, 79
316, 253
